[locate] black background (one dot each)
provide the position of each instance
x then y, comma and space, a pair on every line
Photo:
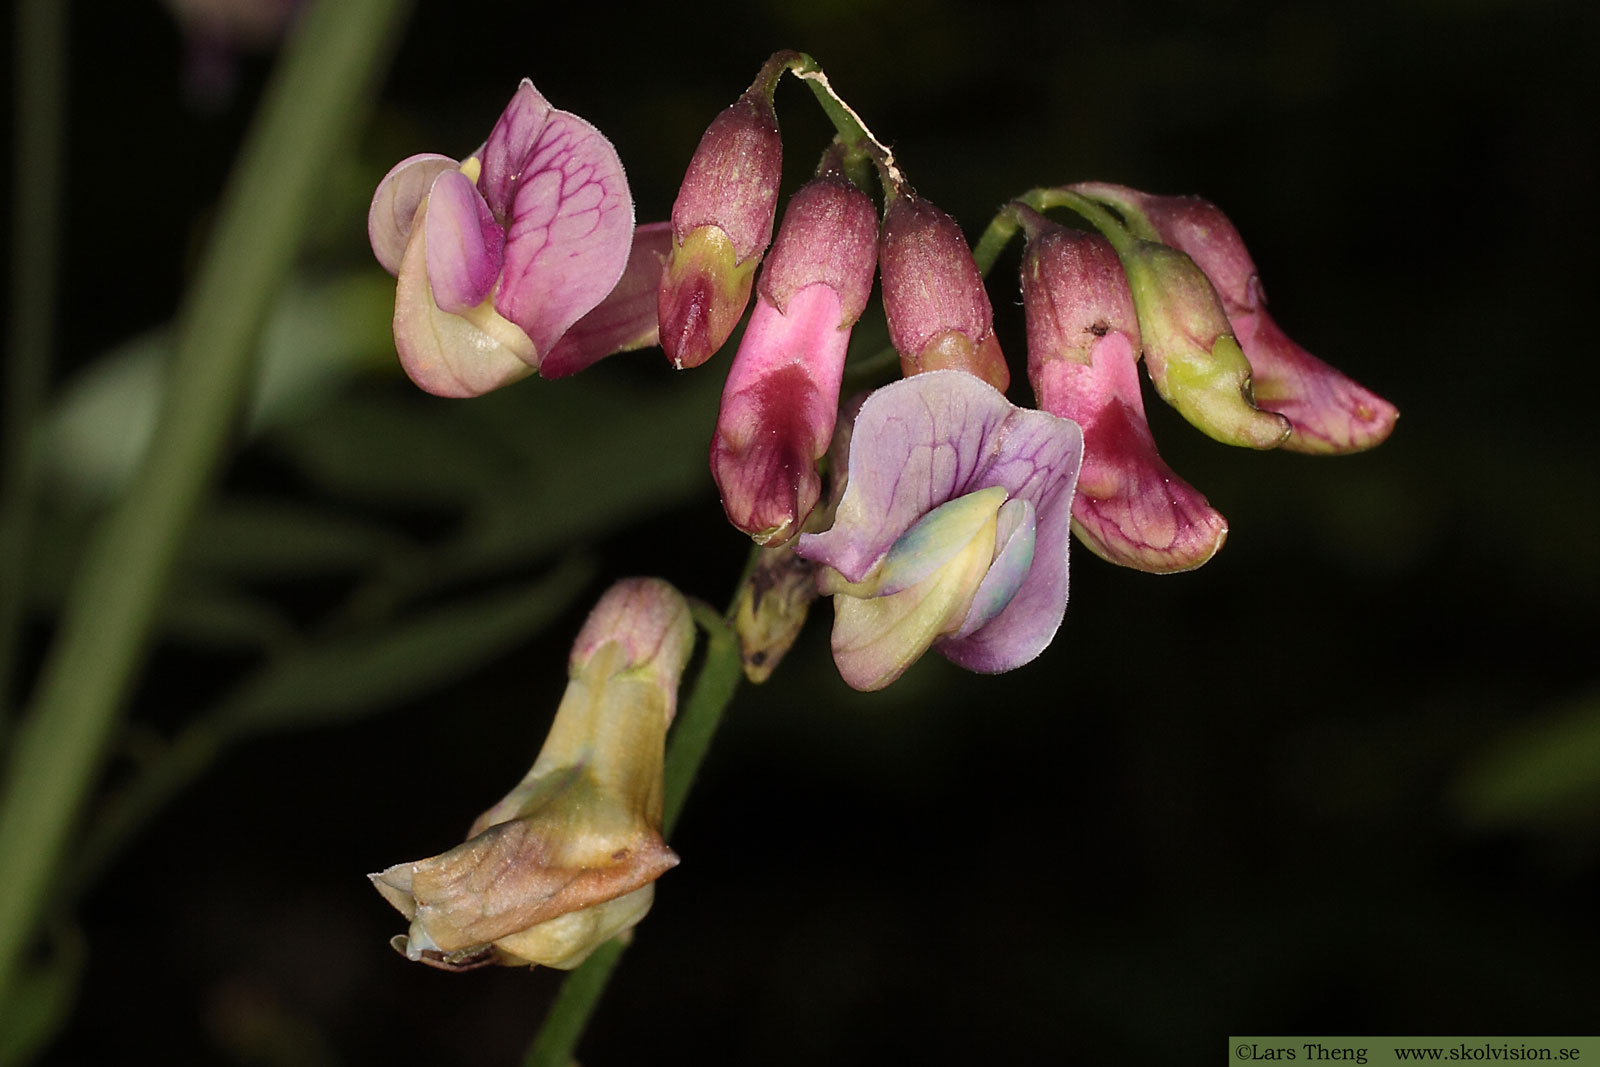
1224, 802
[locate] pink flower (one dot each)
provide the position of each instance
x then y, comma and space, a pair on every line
499, 257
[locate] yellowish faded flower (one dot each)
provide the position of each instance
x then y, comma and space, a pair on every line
568, 859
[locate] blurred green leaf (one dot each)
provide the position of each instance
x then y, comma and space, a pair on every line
1542, 773
246, 538
341, 678
42, 999
318, 335
394, 449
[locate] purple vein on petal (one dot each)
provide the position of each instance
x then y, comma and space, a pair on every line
571, 230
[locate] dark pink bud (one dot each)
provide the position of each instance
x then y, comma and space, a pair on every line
933, 295
1330, 413
829, 235
1083, 344
721, 223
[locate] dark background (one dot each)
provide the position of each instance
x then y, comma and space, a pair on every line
1344, 779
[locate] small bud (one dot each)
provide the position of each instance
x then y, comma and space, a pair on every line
933, 295
1083, 344
1330, 412
952, 531
721, 224
567, 860
1189, 348
781, 398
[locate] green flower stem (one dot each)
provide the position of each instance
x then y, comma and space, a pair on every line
40, 58
1004, 225
691, 738
325, 76
852, 131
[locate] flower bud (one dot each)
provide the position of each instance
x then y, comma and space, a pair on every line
952, 531
781, 398
933, 295
1330, 413
500, 257
721, 223
1083, 344
1194, 360
567, 860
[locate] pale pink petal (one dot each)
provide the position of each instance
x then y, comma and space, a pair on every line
395, 203
465, 244
446, 354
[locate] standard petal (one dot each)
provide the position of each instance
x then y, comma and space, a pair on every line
395, 204
465, 244
626, 318
450, 355
505, 154
571, 228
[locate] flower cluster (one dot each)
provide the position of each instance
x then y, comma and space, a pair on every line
951, 509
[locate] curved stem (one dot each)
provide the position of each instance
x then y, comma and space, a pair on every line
40, 142
1005, 223
326, 73
691, 737
852, 130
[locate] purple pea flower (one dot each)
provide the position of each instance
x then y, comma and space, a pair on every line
499, 256
952, 531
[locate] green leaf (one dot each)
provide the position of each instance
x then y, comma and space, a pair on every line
343, 678
1542, 773
42, 999
317, 336
254, 539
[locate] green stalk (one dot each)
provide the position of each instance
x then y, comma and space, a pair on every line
41, 121
327, 71
691, 738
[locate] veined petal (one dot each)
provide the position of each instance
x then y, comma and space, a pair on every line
626, 318
928, 439
395, 203
465, 244
505, 154
570, 230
